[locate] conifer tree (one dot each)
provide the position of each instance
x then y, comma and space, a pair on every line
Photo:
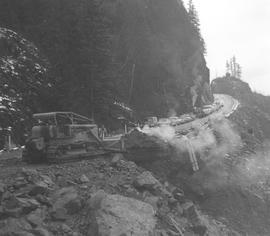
194, 19
193, 15
238, 71
227, 67
234, 68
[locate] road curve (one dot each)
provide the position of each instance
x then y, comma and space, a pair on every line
229, 105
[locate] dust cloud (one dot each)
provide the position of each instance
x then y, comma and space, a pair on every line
164, 132
211, 142
217, 139
255, 168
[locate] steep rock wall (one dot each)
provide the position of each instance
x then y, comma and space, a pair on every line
160, 54
150, 58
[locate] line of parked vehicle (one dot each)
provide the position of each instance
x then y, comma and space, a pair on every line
173, 121
185, 118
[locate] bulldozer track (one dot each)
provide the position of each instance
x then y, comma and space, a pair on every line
17, 160
9, 161
61, 160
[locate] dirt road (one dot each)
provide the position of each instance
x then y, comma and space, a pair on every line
229, 105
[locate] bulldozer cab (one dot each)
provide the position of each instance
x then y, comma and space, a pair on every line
62, 125
62, 118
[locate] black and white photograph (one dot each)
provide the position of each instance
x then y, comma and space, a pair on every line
134, 118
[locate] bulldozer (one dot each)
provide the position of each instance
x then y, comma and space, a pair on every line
61, 135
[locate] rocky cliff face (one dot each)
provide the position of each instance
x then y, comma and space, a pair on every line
232, 86
143, 53
160, 55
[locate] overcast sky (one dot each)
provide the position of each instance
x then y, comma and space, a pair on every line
240, 28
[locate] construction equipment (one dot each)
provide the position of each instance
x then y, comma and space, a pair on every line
62, 135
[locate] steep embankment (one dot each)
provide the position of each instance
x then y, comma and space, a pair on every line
24, 82
96, 197
232, 184
242, 200
146, 54
253, 116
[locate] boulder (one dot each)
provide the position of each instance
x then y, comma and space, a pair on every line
116, 159
19, 183
46, 179
2, 190
198, 225
59, 214
43, 200
36, 217
172, 202
153, 201
65, 201
28, 173
2, 213
39, 187
96, 199
84, 179
162, 233
37, 183
119, 215
139, 140
14, 227
17, 206
66, 229
129, 166
190, 211
6, 195
62, 182
179, 195
147, 181
41, 232
28, 204
33, 176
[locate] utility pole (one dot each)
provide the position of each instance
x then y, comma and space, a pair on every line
131, 83
92, 89
92, 77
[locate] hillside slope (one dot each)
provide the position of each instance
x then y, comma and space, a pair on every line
105, 197
232, 183
145, 54
253, 116
243, 202
25, 86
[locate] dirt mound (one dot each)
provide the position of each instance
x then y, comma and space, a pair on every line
137, 139
144, 148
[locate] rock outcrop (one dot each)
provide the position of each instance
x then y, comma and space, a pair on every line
119, 215
144, 148
161, 54
152, 49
